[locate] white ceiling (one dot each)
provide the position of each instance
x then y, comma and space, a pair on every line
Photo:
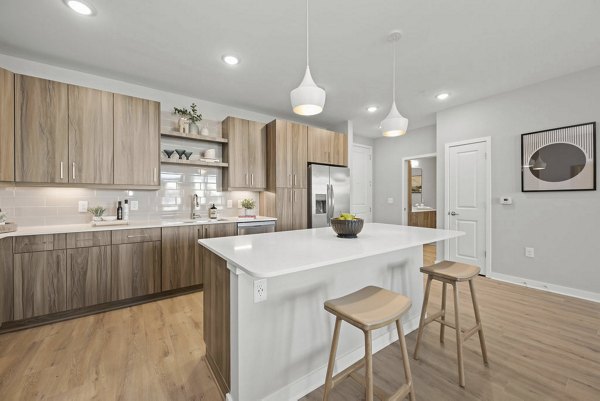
472, 49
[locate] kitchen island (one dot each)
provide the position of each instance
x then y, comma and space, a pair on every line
277, 349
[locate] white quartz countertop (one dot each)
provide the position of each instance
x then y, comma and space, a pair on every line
276, 254
77, 228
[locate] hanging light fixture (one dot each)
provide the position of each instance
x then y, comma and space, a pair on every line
539, 164
394, 124
307, 99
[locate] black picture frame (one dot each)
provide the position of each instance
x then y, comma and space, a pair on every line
594, 168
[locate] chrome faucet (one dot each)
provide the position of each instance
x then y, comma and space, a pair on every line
195, 206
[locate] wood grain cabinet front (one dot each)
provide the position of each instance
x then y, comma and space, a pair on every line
245, 153
286, 155
135, 269
327, 147
40, 283
6, 280
88, 276
7, 125
41, 130
179, 262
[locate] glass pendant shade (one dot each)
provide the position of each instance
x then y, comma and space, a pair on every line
394, 124
307, 99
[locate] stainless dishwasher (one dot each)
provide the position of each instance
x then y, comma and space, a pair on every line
256, 227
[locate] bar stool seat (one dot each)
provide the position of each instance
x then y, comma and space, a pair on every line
369, 309
453, 271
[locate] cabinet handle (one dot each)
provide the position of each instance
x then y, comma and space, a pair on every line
155, 176
295, 197
252, 179
73, 171
136, 236
295, 180
62, 176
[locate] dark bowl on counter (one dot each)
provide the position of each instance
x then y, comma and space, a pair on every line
347, 228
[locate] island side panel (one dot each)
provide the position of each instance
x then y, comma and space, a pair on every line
290, 346
216, 313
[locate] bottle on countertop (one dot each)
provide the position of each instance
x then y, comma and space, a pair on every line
126, 209
119, 211
212, 212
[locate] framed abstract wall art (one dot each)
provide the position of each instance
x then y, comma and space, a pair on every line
559, 159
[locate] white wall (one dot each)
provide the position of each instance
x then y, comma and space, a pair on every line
563, 227
363, 140
388, 170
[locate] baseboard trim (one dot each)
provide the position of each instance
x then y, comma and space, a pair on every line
315, 379
540, 285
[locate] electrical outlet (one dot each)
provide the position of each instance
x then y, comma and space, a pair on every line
229, 203
134, 205
83, 206
529, 252
260, 290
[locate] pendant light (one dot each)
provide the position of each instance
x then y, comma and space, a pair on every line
394, 124
307, 99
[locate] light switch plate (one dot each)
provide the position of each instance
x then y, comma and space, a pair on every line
134, 205
229, 203
83, 206
390, 200
529, 252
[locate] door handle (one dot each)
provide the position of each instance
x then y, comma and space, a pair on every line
453, 213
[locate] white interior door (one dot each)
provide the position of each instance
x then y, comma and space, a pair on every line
467, 203
361, 175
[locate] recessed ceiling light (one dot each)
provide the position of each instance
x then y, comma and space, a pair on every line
372, 109
80, 7
442, 96
231, 60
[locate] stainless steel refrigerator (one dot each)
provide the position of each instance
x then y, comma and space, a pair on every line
328, 193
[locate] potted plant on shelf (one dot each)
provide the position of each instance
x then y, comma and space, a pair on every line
97, 212
249, 205
191, 117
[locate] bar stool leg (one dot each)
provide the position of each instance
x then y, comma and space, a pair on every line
459, 341
478, 321
423, 312
443, 317
334, 344
407, 373
368, 367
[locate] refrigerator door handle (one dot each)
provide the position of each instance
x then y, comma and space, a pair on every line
332, 202
328, 204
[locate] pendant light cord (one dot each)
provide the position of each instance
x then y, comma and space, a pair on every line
394, 73
307, 57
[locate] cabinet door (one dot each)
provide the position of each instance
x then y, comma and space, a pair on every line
298, 135
90, 136
6, 280
135, 269
318, 145
283, 148
88, 276
39, 283
7, 126
136, 141
257, 154
236, 131
283, 200
299, 211
339, 151
220, 230
179, 257
41, 130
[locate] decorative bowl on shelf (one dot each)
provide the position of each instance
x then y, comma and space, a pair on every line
168, 152
347, 228
180, 153
188, 154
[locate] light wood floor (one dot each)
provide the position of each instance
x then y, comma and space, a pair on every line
541, 346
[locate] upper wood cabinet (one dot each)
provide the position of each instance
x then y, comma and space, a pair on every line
327, 147
90, 136
289, 205
287, 155
41, 130
245, 153
7, 125
136, 141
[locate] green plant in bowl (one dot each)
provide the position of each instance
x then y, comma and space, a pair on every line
97, 212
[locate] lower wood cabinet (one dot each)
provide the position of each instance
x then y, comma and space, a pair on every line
135, 269
180, 265
6, 280
88, 276
40, 283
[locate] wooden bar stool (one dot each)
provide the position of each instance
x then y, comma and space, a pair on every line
369, 309
452, 273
